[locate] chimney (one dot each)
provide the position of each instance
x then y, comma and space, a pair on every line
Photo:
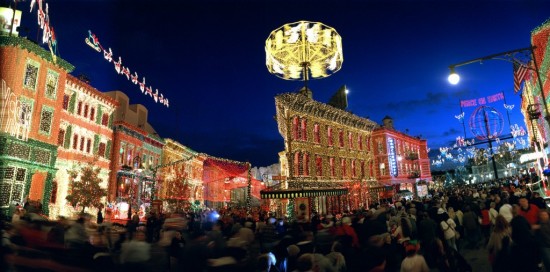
387, 122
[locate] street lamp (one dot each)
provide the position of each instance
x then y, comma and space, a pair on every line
508, 56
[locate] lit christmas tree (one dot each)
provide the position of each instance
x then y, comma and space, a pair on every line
85, 191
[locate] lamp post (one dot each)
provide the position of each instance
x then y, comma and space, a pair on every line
509, 56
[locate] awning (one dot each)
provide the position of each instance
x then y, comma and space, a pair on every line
380, 189
296, 193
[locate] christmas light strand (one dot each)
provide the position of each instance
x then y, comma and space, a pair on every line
93, 42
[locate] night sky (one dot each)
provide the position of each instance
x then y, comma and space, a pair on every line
208, 59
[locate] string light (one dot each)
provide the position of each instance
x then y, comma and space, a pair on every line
93, 42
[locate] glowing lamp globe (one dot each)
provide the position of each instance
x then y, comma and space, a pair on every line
486, 123
303, 50
453, 78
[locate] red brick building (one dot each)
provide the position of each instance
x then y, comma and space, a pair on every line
400, 159
32, 87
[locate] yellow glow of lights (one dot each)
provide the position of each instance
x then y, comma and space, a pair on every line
303, 50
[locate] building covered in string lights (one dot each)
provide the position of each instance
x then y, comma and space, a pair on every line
137, 151
180, 182
84, 136
532, 103
327, 161
32, 85
401, 161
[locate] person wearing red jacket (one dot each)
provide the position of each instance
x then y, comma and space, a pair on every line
529, 211
346, 230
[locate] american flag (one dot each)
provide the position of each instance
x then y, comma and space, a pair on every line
520, 72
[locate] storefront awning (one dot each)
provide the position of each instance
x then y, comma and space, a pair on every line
297, 193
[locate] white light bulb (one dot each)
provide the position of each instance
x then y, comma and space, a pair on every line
454, 78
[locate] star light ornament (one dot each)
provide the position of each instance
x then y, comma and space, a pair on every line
303, 50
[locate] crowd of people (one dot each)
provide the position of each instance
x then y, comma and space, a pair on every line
506, 218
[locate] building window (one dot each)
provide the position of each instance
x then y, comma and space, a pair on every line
332, 167
61, 137
295, 128
343, 164
79, 108
297, 164
121, 155
329, 136
353, 170
360, 141
66, 99
88, 145
341, 138
350, 140
362, 169
12, 181
75, 141
82, 142
46, 118
319, 166
51, 84
303, 130
306, 164
31, 75
101, 150
316, 134
92, 113
53, 197
105, 119
85, 111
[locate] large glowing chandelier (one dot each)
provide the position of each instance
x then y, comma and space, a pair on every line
303, 50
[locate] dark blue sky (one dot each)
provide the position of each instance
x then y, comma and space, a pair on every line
208, 58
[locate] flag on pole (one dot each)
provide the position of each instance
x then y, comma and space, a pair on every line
520, 72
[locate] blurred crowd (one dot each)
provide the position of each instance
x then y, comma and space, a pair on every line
506, 218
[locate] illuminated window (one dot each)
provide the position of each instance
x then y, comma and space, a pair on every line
66, 100
360, 141
121, 155
12, 181
316, 134
79, 108
332, 167
353, 170
92, 113
88, 145
105, 119
303, 130
61, 137
319, 166
297, 164
350, 140
362, 169
51, 84
295, 129
329, 136
31, 75
75, 141
101, 150
306, 164
341, 138
46, 118
343, 165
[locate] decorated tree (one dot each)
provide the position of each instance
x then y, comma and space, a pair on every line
85, 189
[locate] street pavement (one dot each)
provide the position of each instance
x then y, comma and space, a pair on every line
477, 258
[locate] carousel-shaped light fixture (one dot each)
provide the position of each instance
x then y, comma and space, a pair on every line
303, 50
